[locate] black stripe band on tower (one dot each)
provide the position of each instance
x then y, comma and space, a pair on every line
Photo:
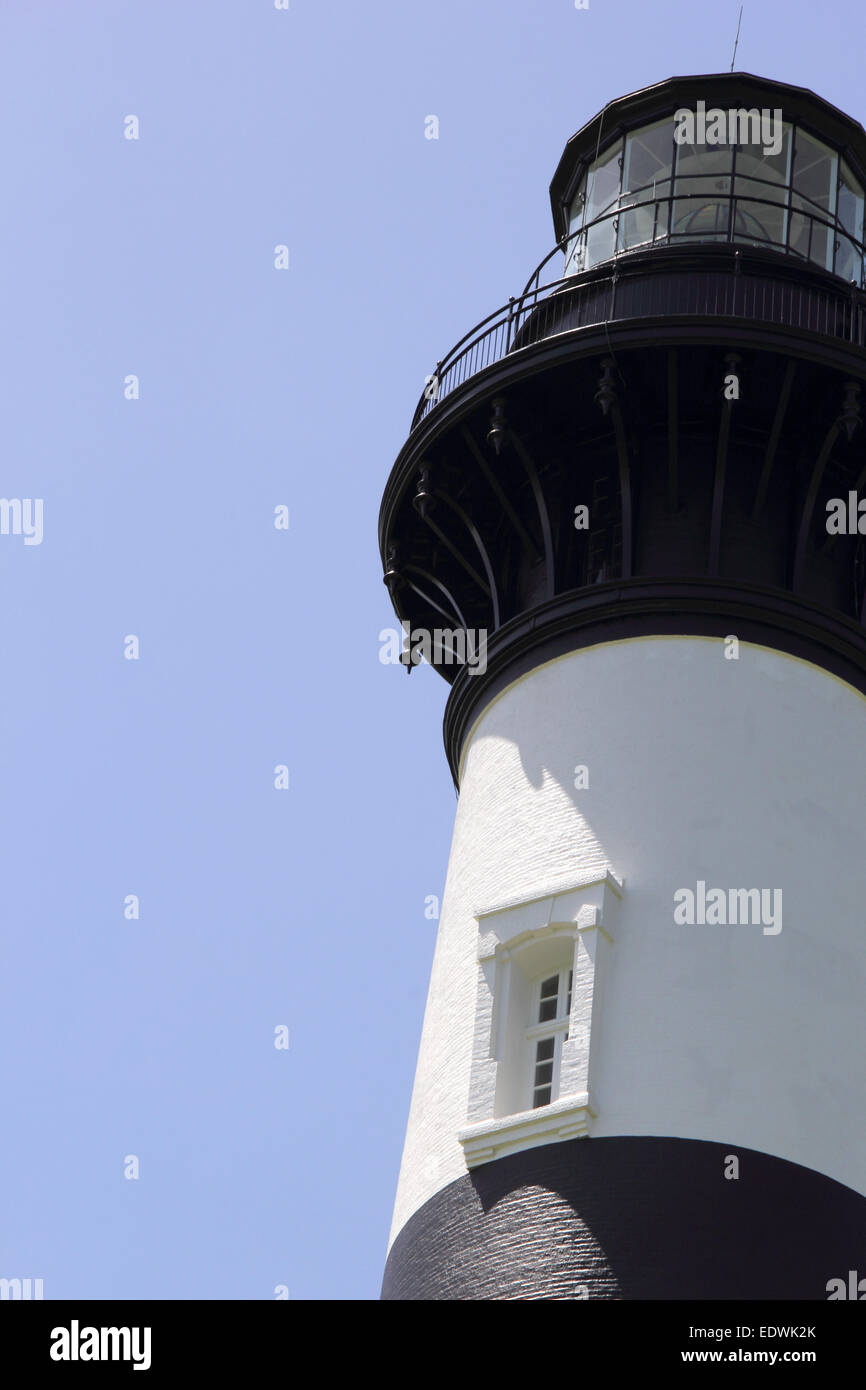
631, 1218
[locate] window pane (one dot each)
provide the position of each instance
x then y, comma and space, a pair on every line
703, 219
648, 157
542, 1083
578, 204
703, 186
761, 218
602, 194
601, 241
647, 171
575, 251
759, 223
603, 182
850, 213
815, 171
758, 189
769, 168
704, 161
575, 256
549, 993
849, 260
642, 225
810, 237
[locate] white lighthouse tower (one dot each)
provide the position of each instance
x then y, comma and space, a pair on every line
643, 1060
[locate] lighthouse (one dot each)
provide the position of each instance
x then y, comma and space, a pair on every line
625, 528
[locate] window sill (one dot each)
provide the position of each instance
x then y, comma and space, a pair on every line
567, 1118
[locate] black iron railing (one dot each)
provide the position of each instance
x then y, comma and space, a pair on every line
568, 303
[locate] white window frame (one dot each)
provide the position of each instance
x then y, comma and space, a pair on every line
556, 1028
521, 944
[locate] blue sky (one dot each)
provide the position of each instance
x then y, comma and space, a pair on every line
258, 647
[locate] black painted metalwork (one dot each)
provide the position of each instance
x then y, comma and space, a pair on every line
773, 441
605, 389
543, 515
822, 306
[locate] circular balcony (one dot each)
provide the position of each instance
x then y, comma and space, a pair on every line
685, 272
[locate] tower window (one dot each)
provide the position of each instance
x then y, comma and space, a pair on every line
546, 1034
548, 999
544, 1063
531, 1074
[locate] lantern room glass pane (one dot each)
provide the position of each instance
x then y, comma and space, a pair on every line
753, 163
810, 235
601, 241
759, 223
642, 225
814, 194
575, 251
648, 157
762, 217
646, 184
702, 208
602, 197
815, 173
849, 261
802, 230
850, 210
603, 181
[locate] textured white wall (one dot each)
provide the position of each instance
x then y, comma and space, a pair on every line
748, 773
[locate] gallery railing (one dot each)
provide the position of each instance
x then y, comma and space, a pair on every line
568, 303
